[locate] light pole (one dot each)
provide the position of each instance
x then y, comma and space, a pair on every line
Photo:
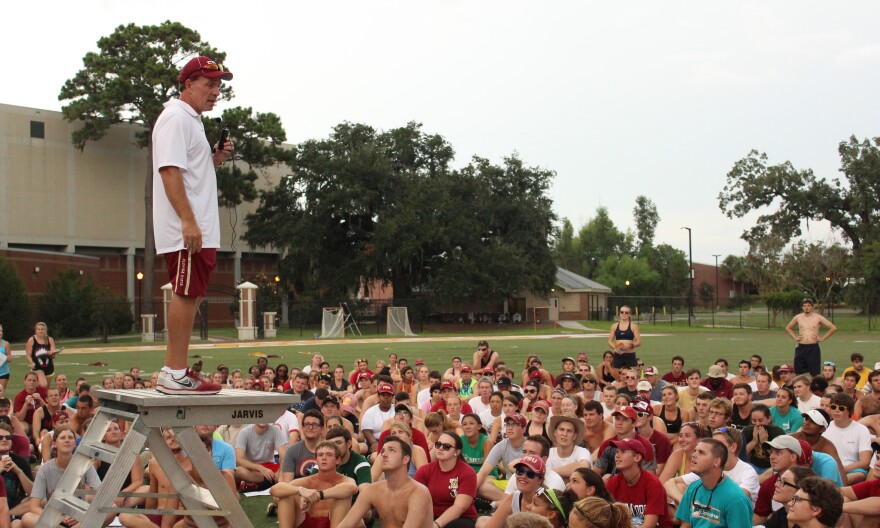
140, 296
716, 290
691, 277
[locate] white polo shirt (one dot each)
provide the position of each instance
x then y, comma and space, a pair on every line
179, 141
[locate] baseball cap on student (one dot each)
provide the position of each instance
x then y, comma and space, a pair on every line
349, 403
629, 444
644, 386
447, 385
386, 388
784, 442
651, 371
627, 412
516, 418
784, 368
466, 368
818, 417
503, 381
534, 463
203, 67
568, 358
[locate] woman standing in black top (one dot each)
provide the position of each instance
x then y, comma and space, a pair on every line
624, 338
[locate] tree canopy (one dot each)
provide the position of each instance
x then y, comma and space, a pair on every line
367, 204
789, 196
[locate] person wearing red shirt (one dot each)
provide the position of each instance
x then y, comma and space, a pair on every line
640, 490
447, 390
717, 383
452, 483
28, 400
677, 376
363, 367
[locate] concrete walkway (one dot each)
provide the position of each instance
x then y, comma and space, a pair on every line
574, 325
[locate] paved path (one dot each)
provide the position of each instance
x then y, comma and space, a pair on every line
574, 325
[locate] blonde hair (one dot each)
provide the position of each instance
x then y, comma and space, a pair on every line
528, 520
601, 513
403, 426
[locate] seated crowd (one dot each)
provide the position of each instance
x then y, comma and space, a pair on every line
476, 443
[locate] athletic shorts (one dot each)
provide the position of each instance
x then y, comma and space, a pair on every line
808, 359
314, 522
189, 273
271, 465
627, 359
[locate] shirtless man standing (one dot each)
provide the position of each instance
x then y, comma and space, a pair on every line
400, 501
807, 356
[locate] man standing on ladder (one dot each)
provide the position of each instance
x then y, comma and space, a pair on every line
186, 221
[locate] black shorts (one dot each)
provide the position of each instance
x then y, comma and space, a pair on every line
4, 376
627, 359
48, 367
808, 359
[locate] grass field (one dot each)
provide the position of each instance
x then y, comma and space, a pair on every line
699, 346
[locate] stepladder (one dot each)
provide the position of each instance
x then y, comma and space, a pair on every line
149, 413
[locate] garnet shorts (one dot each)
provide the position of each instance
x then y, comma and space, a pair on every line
189, 273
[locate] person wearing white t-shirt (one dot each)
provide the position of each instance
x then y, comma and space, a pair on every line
480, 402
852, 439
289, 425
566, 432
806, 400
375, 416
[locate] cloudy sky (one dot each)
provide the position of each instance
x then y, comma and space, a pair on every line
620, 99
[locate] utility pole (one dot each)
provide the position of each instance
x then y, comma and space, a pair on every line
716, 290
691, 272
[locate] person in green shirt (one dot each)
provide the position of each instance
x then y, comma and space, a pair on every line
352, 464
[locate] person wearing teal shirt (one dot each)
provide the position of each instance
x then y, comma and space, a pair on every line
784, 414
715, 500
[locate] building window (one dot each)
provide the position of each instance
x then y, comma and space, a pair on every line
38, 129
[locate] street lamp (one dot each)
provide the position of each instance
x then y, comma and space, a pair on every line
691, 272
716, 290
140, 278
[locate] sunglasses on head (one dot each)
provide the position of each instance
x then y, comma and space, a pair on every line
528, 473
443, 446
551, 496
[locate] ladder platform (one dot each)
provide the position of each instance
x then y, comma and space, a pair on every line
229, 406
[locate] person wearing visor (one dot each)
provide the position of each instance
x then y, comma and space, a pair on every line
186, 220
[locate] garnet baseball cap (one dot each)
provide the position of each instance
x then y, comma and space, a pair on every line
447, 385
204, 67
784, 368
488, 370
640, 405
651, 371
784, 442
541, 404
516, 417
386, 388
363, 376
59, 414
534, 463
818, 417
630, 444
420, 362
466, 368
627, 412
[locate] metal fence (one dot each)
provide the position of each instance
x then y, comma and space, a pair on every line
746, 312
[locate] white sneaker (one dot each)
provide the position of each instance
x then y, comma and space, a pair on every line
188, 384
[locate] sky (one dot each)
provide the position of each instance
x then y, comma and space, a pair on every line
619, 99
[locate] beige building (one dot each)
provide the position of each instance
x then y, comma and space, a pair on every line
573, 298
84, 210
